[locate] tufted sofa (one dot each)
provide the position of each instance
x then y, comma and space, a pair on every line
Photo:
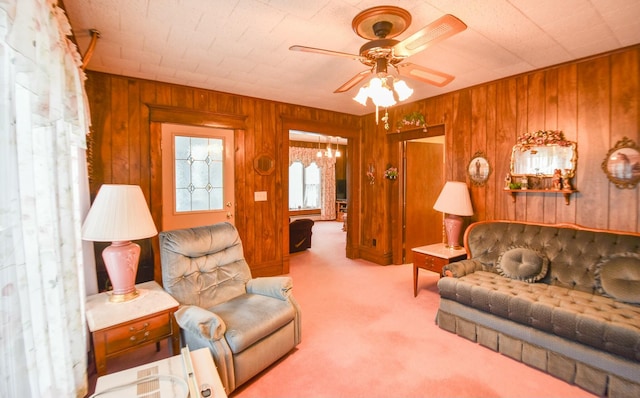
561, 298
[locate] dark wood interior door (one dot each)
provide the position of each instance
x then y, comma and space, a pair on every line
425, 178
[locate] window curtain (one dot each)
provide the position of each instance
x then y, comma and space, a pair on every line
327, 175
43, 122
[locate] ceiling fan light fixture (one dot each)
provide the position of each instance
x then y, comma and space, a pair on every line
402, 89
380, 93
362, 96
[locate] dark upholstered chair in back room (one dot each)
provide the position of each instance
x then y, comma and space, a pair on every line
248, 324
300, 235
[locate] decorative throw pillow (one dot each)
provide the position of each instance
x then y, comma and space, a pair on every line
618, 277
523, 264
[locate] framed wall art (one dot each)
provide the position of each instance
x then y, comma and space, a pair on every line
479, 169
622, 164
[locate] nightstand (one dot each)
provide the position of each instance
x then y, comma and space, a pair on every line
117, 328
433, 258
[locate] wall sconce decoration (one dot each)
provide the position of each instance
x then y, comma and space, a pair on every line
391, 173
371, 174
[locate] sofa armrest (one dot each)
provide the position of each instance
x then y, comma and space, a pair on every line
461, 268
273, 286
201, 322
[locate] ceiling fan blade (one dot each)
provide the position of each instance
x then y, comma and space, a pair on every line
426, 75
353, 81
325, 52
435, 32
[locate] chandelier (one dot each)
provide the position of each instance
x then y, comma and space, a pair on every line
328, 152
384, 89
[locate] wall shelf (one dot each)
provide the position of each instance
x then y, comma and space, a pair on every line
566, 194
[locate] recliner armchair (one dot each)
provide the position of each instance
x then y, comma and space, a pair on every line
247, 323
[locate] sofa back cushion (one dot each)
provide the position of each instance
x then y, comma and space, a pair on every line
573, 252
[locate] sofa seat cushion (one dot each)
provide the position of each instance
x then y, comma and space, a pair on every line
250, 317
591, 319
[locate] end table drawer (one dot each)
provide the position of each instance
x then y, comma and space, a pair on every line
429, 262
130, 335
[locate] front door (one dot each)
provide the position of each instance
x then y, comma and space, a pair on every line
197, 176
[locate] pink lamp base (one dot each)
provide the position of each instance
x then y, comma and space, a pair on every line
121, 261
453, 227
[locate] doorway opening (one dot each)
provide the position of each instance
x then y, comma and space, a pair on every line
317, 176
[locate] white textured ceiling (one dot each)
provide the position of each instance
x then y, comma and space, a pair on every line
242, 46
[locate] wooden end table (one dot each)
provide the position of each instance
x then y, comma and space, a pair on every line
117, 328
433, 258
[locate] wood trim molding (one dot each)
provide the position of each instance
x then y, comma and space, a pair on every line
335, 130
170, 114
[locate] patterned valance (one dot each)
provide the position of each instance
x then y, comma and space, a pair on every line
308, 156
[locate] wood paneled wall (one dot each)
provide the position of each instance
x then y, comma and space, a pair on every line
595, 102
126, 117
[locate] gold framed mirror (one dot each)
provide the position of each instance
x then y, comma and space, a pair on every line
479, 169
622, 164
542, 153
264, 164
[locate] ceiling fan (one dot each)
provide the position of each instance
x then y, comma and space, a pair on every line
380, 25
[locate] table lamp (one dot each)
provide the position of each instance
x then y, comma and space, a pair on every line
454, 200
120, 214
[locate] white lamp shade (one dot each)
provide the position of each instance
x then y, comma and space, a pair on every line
454, 199
119, 213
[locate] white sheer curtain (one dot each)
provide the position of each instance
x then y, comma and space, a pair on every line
43, 122
327, 176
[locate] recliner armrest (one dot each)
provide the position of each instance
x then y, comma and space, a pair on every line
201, 321
461, 268
273, 286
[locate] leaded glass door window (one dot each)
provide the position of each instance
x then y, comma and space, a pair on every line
197, 176
199, 173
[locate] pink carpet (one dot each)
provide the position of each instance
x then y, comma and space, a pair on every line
365, 335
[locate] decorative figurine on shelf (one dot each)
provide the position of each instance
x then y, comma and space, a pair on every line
507, 182
566, 181
556, 181
524, 183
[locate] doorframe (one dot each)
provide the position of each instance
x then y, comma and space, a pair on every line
397, 215
353, 169
159, 114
